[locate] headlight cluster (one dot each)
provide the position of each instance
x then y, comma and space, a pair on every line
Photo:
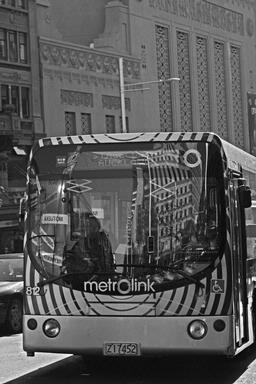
51, 327
197, 329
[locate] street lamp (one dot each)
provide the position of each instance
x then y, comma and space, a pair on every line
129, 87
149, 82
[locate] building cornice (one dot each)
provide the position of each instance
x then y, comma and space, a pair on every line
71, 56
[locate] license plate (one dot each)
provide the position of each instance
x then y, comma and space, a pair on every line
121, 349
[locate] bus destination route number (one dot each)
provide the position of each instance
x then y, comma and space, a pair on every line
119, 349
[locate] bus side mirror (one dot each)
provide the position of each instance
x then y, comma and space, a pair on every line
245, 196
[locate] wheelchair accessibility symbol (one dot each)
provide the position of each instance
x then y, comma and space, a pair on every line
217, 286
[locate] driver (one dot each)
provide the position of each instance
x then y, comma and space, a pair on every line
89, 254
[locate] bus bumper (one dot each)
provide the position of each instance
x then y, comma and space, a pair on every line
153, 335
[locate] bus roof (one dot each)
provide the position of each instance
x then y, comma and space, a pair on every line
135, 137
236, 157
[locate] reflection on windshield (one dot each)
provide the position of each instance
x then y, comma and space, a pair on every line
11, 270
149, 214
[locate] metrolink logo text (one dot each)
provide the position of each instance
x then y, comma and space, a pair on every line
123, 286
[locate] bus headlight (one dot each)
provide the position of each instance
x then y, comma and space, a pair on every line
197, 329
51, 328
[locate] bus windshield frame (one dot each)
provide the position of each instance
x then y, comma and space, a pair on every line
120, 218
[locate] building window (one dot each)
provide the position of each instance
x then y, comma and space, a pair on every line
3, 45
121, 124
25, 103
203, 84
110, 123
4, 95
15, 99
17, 96
13, 46
23, 47
183, 56
235, 64
221, 87
21, 4
86, 123
163, 72
70, 123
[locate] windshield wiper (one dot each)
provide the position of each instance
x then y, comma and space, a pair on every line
187, 276
41, 235
171, 268
72, 274
53, 279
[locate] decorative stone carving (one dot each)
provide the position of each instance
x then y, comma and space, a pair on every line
64, 56
114, 102
88, 60
80, 77
76, 98
74, 59
15, 76
143, 56
55, 55
203, 12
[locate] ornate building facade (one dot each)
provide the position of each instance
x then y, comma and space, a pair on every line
209, 46
60, 70
81, 86
21, 120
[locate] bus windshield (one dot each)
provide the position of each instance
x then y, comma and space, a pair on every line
152, 213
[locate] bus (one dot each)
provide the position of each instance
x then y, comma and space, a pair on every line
139, 244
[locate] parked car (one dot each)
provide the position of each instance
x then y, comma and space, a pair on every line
11, 291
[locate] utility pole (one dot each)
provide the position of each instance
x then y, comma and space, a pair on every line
121, 78
128, 88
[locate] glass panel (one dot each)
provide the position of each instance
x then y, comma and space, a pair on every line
110, 124
70, 123
163, 72
11, 269
13, 49
86, 123
152, 214
23, 47
15, 98
25, 102
221, 89
4, 95
21, 4
3, 45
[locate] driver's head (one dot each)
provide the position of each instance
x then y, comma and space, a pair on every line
92, 224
